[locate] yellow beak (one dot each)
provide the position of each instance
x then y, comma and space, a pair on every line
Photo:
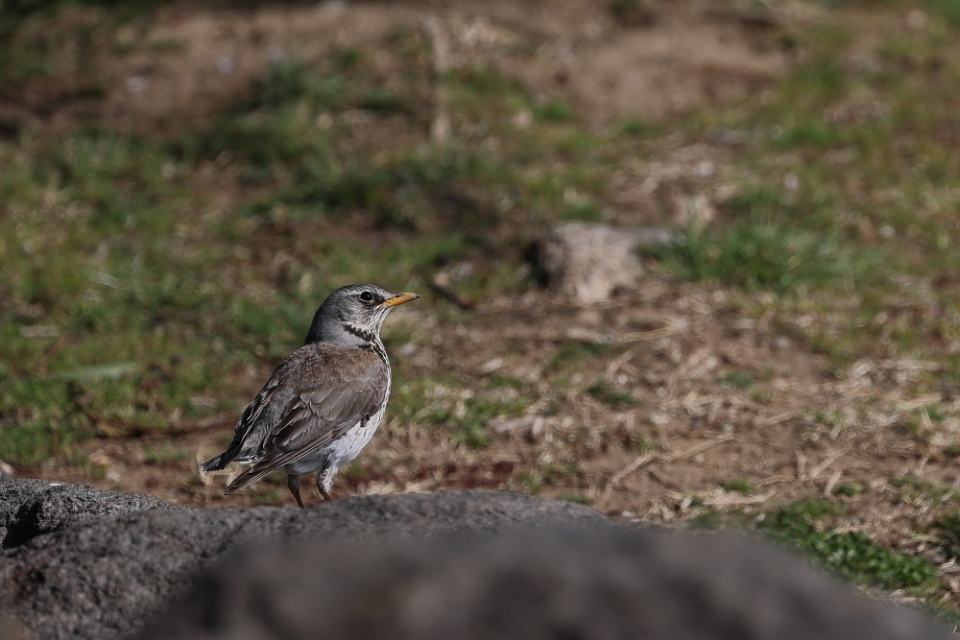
400, 298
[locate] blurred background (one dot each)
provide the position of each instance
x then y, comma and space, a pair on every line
182, 183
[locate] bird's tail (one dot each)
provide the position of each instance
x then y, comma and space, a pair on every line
249, 476
215, 463
218, 462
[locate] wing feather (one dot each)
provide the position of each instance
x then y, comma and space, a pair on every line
316, 415
250, 417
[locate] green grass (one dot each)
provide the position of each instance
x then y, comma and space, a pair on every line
163, 454
554, 111
761, 256
850, 554
609, 395
925, 492
808, 526
102, 236
437, 403
534, 479
739, 379
575, 351
848, 489
468, 421
738, 485
949, 528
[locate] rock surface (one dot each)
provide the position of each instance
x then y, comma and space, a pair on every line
82, 563
585, 584
29, 508
97, 565
589, 262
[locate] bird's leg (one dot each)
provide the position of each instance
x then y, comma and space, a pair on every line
325, 482
293, 481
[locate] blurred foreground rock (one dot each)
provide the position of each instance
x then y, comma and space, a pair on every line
82, 563
446, 565
546, 585
589, 262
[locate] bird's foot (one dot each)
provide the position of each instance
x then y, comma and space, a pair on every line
325, 482
293, 481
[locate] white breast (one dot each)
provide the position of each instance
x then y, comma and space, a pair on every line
348, 446
343, 449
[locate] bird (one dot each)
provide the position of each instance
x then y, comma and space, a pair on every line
323, 402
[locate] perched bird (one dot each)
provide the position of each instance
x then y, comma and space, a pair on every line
324, 402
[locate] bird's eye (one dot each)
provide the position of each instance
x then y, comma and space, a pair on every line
366, 296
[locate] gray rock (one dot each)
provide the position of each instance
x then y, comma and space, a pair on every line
82, 563
552, 584
589, 262
29, 508
103, 577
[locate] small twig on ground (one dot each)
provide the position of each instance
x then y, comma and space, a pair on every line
722, 499
833, 457
586, 335
781, 417
749, 17
440, 46
669, 484
116, 429
617, 363
776, 480
831, 483
447, 292
647, 458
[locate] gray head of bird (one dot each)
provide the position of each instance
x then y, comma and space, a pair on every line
353, 315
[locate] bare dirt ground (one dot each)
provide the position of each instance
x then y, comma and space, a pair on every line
190, 62
683, 429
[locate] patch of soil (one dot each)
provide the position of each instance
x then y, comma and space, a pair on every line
215, 54
190, 61
681, 59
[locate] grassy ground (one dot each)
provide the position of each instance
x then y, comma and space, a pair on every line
156, 268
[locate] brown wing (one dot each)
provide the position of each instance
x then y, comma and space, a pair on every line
271, 393
352, 390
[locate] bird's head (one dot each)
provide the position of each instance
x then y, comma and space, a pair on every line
354, 313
